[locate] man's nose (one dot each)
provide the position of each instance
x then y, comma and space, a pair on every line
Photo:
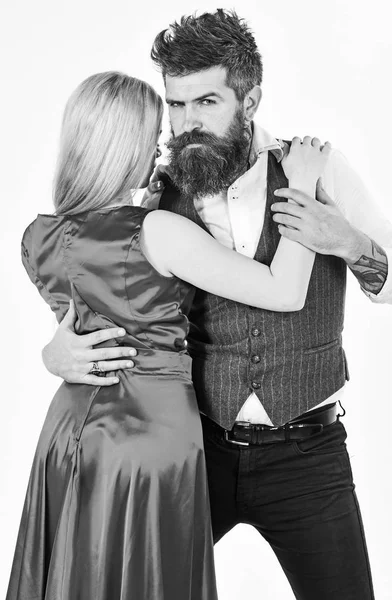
191, 121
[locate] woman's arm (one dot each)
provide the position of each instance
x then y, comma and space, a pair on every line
176, 246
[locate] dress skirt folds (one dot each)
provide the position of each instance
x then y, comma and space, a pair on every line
117, 503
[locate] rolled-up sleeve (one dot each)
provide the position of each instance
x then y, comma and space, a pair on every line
350, 194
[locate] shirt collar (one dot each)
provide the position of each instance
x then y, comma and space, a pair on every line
262, 141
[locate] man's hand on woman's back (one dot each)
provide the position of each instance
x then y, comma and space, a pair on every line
72, 357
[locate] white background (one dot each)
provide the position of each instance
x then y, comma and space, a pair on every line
327, 73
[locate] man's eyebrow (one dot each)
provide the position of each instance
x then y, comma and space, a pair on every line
203, 97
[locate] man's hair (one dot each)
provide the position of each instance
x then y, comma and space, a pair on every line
210, 40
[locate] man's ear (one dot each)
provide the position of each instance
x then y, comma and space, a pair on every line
251, 102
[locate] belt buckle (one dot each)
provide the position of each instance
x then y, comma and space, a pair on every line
234, 441
243, 424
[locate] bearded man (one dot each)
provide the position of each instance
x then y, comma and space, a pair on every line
268, 384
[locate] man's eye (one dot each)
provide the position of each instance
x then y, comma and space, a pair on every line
174, 105
207, 102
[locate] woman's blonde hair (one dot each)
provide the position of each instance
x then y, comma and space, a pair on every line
108, 140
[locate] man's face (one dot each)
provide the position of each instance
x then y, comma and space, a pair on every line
210, 142
201, 101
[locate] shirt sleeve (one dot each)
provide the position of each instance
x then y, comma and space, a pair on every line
350, 194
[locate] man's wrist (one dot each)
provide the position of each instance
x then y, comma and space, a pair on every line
355, 245
49, 365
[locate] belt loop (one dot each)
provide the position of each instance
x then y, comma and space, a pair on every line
343, 409
258, 435
287, 432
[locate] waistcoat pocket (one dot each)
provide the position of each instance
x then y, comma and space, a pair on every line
322, 348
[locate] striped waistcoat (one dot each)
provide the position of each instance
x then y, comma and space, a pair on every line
292, 361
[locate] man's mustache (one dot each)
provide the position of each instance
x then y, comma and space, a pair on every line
192, 137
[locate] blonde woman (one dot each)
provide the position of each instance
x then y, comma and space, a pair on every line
117, 504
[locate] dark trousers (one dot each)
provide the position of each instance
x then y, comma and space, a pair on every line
300, 496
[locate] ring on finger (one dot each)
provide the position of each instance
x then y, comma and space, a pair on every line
96, 369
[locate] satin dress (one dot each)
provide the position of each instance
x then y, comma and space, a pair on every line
117, 504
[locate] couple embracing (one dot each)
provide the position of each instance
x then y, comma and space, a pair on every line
202, 355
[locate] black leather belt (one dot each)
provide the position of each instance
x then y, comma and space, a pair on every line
307, 424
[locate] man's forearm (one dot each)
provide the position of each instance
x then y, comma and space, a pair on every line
368, 262
323, 228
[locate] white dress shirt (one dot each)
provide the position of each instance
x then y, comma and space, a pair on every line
235, 218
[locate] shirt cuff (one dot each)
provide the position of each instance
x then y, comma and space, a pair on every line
384, 296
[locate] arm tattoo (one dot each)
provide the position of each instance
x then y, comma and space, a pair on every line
371, 270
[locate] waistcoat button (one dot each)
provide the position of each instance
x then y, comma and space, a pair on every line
255, 359
256, 385
256, 332
180, 344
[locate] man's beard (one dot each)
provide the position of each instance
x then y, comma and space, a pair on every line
213, 166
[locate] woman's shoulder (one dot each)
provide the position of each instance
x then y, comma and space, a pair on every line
118, 223
48, 233
41, 235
